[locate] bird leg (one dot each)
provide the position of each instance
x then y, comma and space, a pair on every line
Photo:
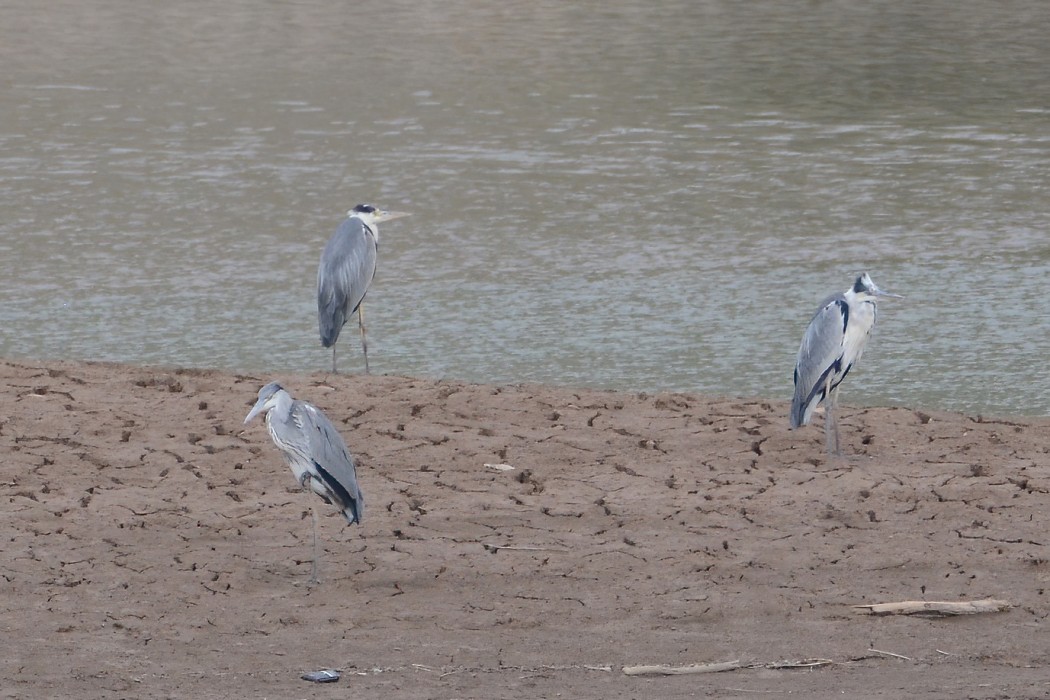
364, 340
831, 423
313, 568
334, 371
304, 483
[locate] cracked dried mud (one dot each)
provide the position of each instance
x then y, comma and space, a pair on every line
154, 546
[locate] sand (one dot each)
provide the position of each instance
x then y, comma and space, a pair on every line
156, 547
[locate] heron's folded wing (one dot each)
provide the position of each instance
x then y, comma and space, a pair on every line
333, 460
819, 354
346, 269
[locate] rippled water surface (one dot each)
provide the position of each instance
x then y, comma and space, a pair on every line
628, 195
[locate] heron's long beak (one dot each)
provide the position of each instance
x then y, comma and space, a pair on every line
880, 293
258, 408
390, 215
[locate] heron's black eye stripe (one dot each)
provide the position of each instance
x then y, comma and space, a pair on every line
365, 209
858, 286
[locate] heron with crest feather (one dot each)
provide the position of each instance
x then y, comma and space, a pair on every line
346, 270
314, 451
832, 344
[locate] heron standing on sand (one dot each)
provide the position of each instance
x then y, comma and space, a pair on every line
348, 264
314, 451
834, 340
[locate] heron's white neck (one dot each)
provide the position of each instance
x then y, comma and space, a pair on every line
281, 405
370, 225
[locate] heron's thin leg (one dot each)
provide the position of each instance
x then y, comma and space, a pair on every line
313, 568
334, 371
364, 340
831, 424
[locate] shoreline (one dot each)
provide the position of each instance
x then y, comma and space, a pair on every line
320, 378
158, 546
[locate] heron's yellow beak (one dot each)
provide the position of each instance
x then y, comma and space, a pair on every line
390, 215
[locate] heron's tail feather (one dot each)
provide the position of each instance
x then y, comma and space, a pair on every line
802, 410
330, 320
355, 509
803, 404
347, 497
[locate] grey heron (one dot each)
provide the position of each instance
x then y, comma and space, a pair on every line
832, 343
348, 264
314, 451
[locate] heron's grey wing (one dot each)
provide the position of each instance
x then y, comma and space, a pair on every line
333, 462
348, 264
819, 355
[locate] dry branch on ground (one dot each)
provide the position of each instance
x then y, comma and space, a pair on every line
935, 608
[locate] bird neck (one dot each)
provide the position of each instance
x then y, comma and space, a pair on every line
373, 231
282, 408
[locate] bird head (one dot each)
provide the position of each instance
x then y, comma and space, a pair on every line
864, 287
371, 215
268, 397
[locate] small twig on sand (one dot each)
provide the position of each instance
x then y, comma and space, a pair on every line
663, 670
750, 690
521, 548
890, 653
803, 663
936, 608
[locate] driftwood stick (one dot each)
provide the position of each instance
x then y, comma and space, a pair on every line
662, 670
665, 670
937, 608
788, 664
520, 548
